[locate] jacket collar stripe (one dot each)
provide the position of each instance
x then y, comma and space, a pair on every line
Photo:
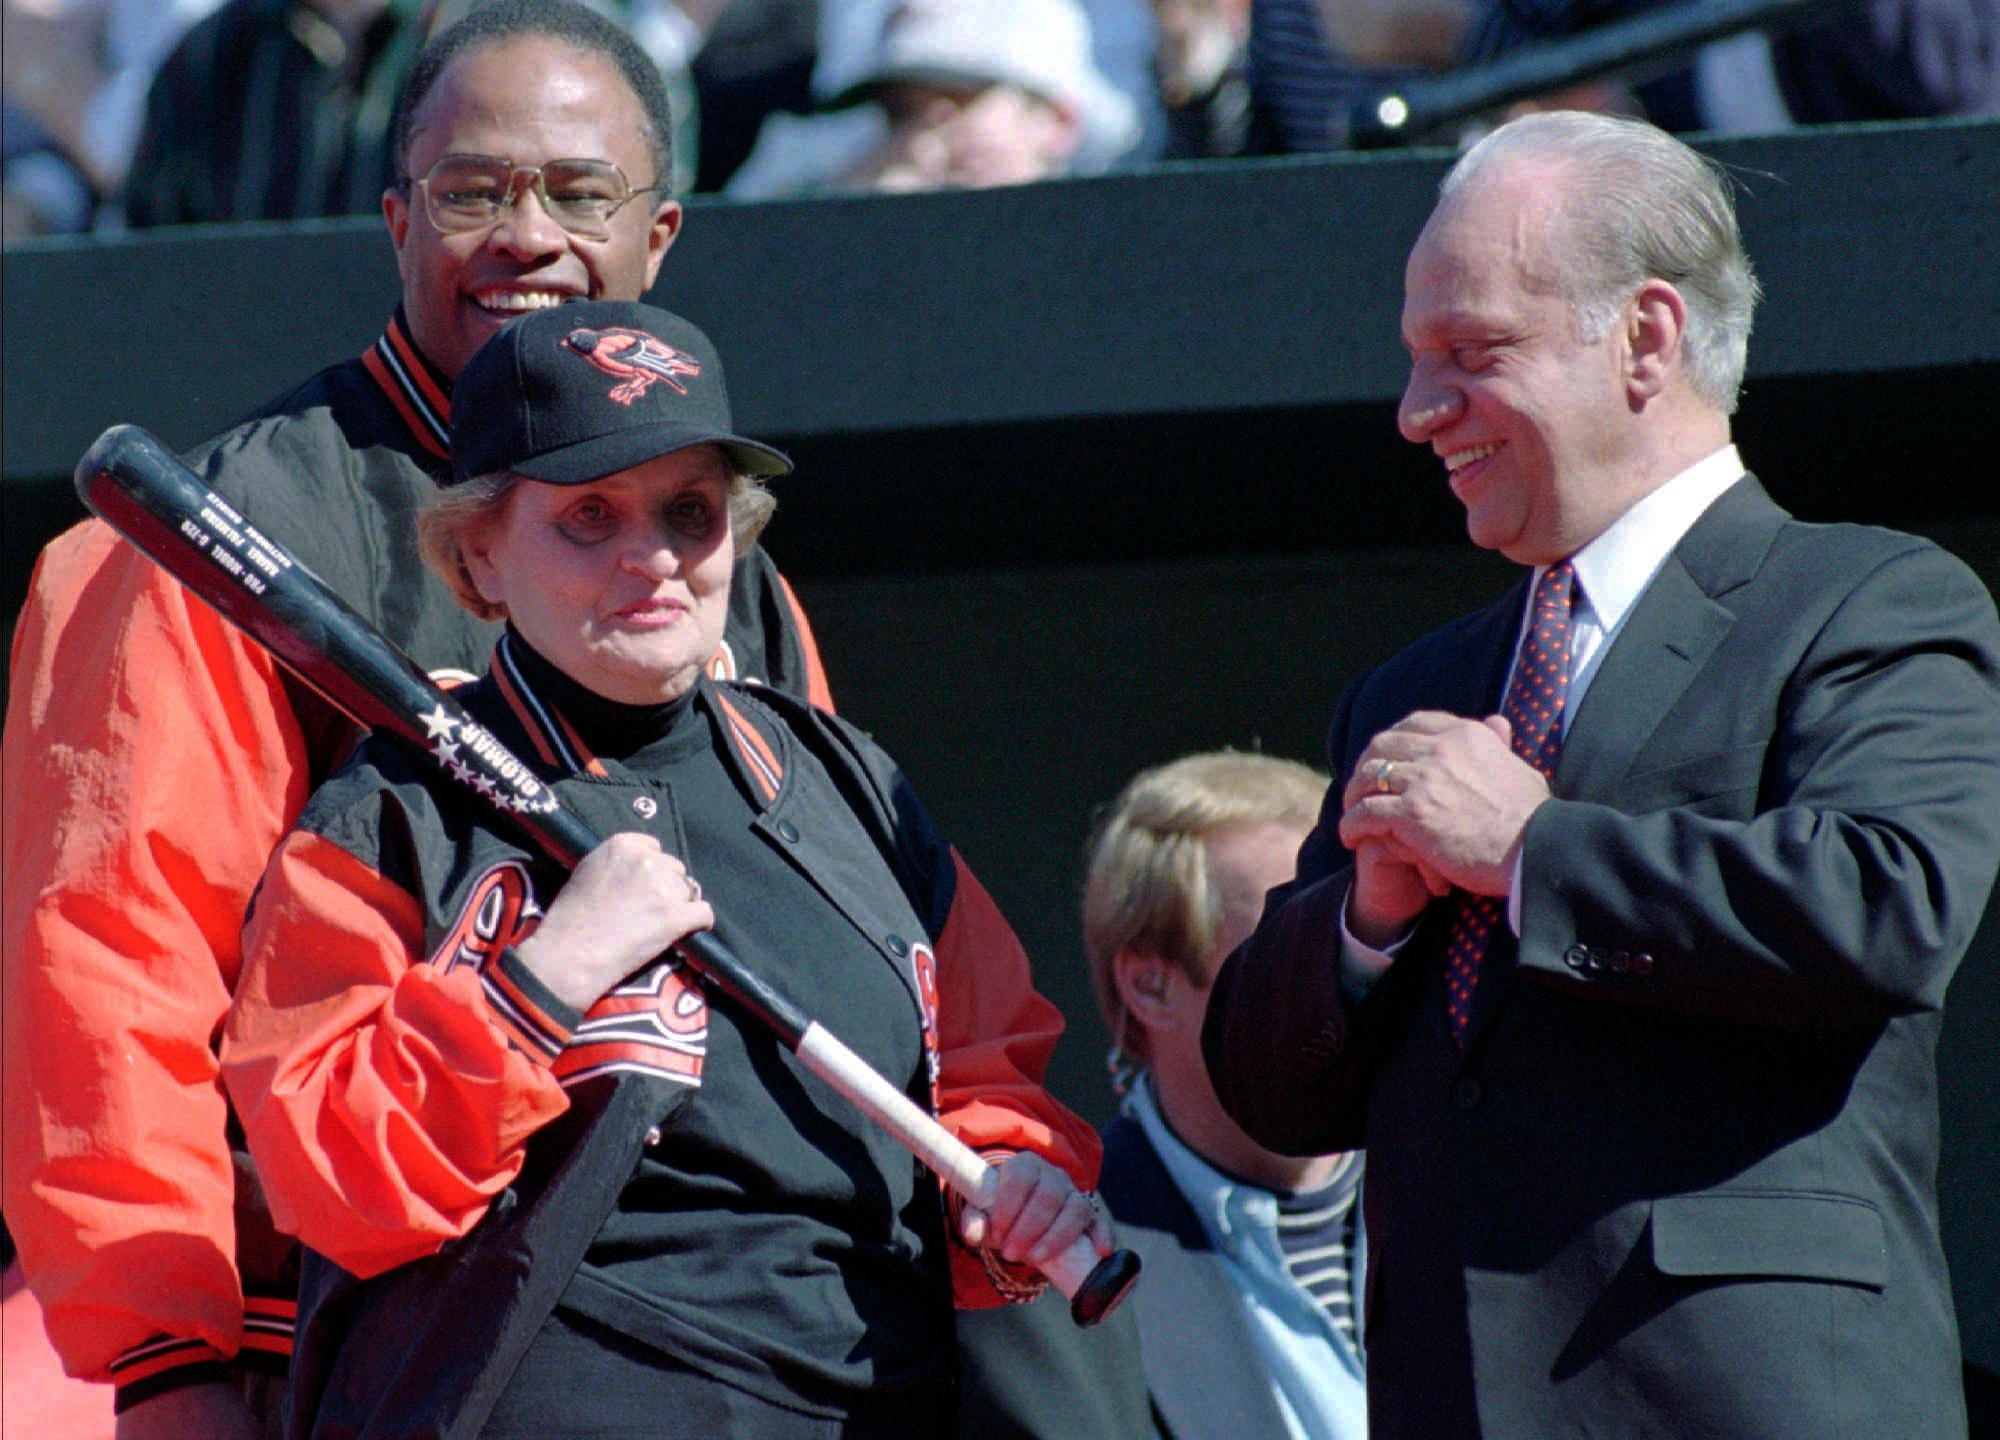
405, 377
757, 755
555, 739
410, 362
591, 764
530, 714
413, 420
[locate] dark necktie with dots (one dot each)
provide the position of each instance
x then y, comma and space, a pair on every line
1534, 707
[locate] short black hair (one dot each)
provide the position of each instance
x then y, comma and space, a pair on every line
563, 20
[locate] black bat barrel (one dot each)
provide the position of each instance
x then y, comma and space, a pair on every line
145, 492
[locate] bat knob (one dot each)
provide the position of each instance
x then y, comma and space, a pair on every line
1109, 1282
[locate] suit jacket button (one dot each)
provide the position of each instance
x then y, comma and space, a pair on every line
1576, 957
898, 946
788, 832
1467, 1093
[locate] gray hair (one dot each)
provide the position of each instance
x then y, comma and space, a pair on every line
1642, 206
455, 514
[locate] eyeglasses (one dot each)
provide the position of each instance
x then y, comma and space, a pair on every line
468, 192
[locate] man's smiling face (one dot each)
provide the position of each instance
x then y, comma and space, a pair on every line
529, 100
1529, 418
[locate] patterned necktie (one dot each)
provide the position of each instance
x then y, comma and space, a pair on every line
1534, 707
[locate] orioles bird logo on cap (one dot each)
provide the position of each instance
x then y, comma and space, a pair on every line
636, 358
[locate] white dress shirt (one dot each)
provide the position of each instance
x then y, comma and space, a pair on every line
1612, 572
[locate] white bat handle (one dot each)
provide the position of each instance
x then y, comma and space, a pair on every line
954, 1161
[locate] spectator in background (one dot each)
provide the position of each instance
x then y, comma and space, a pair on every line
46, 191
1893, 59
1312, 60
279, 109
1123, 38
947, 94
1886, 60
274, 109
1202, 67
75, 74
1248, 1312
758, 59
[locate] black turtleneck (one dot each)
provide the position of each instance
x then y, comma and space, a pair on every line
610, 728
764, 1165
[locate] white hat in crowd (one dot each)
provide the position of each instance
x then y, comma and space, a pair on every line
1042, 46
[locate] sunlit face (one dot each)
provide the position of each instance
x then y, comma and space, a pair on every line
1529, 419
623, 584
974, 137
530, 99
1244, 861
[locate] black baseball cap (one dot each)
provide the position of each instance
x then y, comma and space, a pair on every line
576, 392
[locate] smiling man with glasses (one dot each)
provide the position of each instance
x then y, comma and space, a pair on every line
470, 192
146, 786
480, 234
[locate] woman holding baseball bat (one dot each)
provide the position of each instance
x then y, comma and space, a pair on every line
546, 1185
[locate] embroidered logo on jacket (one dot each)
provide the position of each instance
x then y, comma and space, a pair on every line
499, 909
655, 1024
637, 359
924, 959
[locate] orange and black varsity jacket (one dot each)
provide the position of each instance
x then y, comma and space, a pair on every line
461, 1152
153, 758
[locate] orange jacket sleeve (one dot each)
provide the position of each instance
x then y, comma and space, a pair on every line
151, 760
384, 1100
995, 1036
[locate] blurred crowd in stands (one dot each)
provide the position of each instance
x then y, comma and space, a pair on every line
129, 113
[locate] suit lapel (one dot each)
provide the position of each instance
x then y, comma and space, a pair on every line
1674, 627
1666, 640
1672, 630
1480, 671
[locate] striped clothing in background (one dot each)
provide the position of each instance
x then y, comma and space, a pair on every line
263, 112
1301, 88
1316, 1231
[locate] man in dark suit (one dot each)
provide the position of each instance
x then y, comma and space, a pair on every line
1631, 989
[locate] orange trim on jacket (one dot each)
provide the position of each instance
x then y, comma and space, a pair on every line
817, 690
995, 1036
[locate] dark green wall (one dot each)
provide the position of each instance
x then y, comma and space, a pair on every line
1095, 474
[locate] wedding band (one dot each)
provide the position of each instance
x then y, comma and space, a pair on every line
1382, 769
